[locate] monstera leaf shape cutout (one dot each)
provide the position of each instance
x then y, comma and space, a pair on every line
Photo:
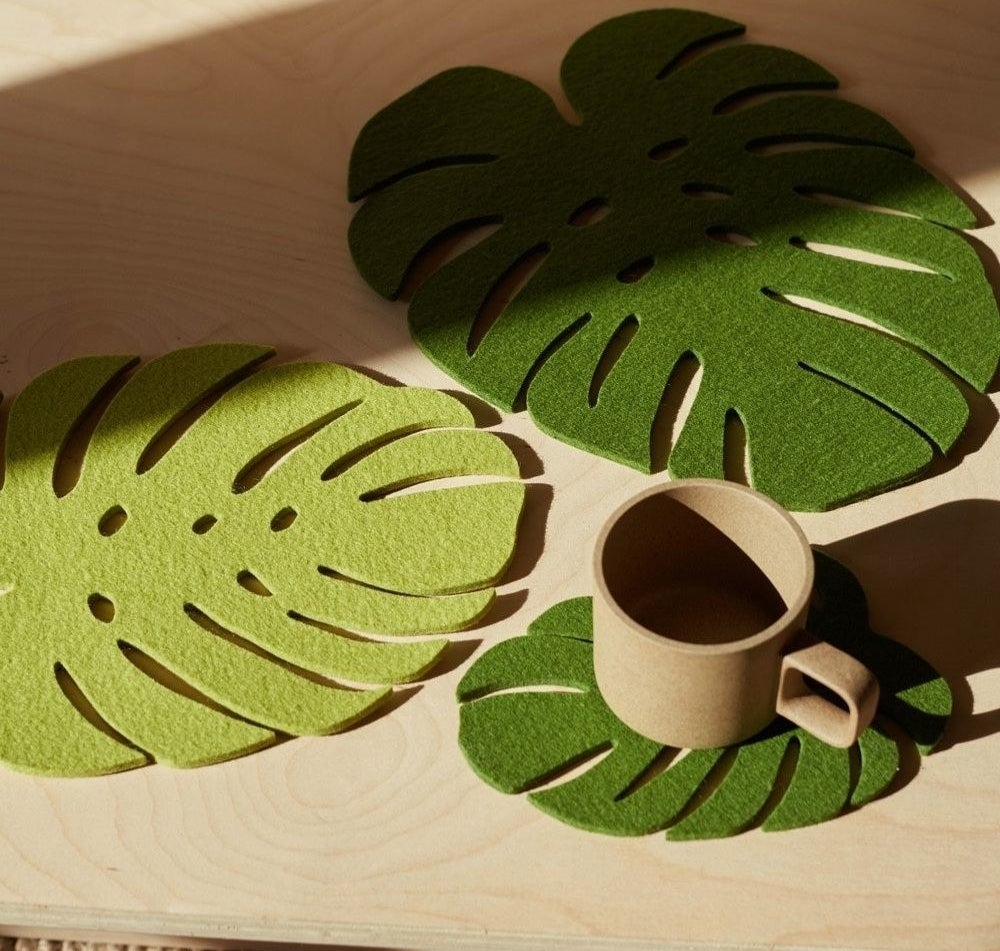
203, 583
531, 710
725, 232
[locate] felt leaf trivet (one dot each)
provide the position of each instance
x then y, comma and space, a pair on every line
683, 218
200, 581
531, 710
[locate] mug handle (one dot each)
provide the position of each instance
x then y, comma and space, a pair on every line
848, 678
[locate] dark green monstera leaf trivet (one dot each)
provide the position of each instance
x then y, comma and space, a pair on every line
531, 710
232, 560
684, 217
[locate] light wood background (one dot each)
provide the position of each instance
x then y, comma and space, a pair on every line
173, 171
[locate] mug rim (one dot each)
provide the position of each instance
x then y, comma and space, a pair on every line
775, 628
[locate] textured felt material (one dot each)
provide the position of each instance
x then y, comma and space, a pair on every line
688, 167
552, 717
194, 602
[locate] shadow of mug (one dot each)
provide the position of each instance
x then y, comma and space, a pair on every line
929, 579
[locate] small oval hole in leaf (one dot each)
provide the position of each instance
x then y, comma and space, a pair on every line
283, 519
726, 235
637, 270
667, 150
203, 524
250, 582
112, 520
101, 607
590, 212
706, 192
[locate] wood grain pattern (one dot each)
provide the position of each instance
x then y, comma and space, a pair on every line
174, 172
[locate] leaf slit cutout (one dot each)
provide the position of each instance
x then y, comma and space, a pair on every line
754, 95
613, 352
332, 629
826, 375
70, 456
250, 582
722, 36
712, 781
265, 462
778, 144
864, 257
724, 234
676, 401
782, 781
207, 623
172, 431
444, 161
283, 519
506, 288
707, 191
565, 772
487, 691
812, 306
589, 213
113, 520
72, 692
637, 270
854, 774
735, 450
339, 466
665, 151
563, 337
843, 200
666, 758
439, 481
165, 677
445, 246
101, 607
328, 572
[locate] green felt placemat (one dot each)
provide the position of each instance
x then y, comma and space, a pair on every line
531, 710
674, 222
200, 555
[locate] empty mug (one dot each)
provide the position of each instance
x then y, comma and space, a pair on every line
701, 592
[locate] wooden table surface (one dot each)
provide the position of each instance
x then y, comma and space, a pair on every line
174, 172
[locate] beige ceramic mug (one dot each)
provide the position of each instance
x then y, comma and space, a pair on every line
701, 591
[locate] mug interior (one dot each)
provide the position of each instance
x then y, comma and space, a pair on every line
704, 563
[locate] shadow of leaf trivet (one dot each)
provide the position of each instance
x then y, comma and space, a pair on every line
531, 711
685, 217
195, 552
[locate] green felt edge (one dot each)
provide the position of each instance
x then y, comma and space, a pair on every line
450, 115
165, 688
556, 652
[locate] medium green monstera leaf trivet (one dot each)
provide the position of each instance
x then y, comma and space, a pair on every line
531, 710
200, 583
684, 217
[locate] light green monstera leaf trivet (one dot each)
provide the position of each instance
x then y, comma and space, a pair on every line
684, 217
531, 710
201, 582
